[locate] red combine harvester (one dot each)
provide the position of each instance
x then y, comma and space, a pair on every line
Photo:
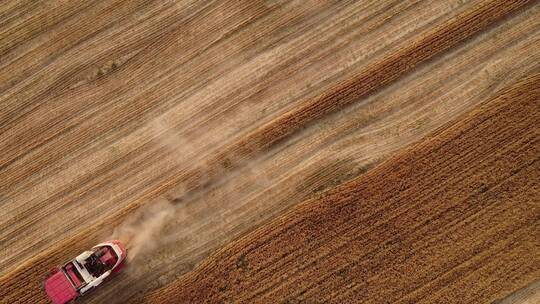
84, 273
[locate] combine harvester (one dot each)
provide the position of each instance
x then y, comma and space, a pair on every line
84, 273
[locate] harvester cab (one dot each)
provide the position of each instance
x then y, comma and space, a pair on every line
85, 272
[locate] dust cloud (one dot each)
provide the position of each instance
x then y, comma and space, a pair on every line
140, 232
177, 216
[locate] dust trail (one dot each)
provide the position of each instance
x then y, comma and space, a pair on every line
164, 237
178, 213
140, 231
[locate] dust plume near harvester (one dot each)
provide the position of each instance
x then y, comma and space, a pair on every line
140, 232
